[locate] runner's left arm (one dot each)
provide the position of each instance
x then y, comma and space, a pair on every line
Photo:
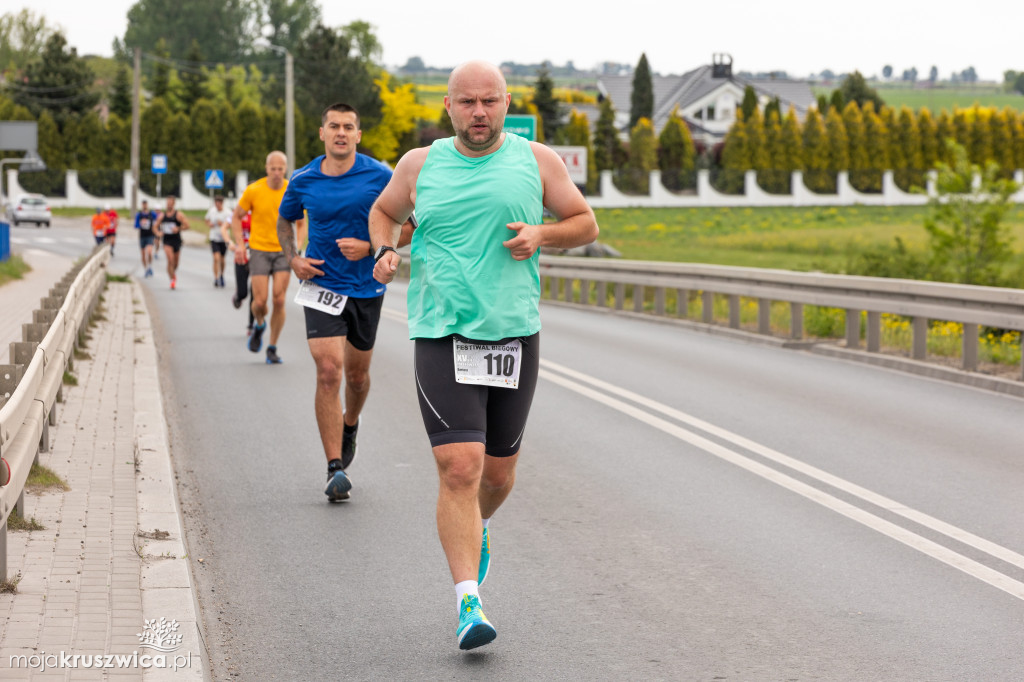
576, 224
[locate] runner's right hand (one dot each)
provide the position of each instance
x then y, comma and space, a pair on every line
305, 268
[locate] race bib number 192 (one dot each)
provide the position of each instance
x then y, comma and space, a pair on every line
491, 364
316, 297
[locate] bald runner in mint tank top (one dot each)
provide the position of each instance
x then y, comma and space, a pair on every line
458, 285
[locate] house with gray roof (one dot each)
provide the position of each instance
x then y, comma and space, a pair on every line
707, 97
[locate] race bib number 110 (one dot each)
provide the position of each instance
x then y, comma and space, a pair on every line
491, 364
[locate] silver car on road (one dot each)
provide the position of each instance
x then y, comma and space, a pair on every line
29, 208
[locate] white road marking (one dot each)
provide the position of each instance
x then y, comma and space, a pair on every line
903, 535
907, 537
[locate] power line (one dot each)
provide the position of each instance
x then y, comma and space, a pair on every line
18, 87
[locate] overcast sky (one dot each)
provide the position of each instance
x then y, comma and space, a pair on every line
799, 36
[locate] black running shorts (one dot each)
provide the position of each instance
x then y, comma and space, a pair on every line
471, 413
173, 241
357, 321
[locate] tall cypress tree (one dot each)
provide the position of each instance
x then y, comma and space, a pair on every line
876, 141
816, 175
962, 129
853, 120
792, 158
735, 158
837, 144
756, 145
676, 154
1002, 142
945, 130
749, 104
774, 178
907, 159
547, 106
980, 138
641, 100
608, 152
1016, 123
928, 132
643, 155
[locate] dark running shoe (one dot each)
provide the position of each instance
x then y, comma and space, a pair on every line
338, 485
348, 445
272, 357
256, 338
235, 301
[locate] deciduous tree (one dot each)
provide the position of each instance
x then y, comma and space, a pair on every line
59, 81
969, 243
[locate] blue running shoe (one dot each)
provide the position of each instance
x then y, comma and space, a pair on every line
338, 485
255, 341
474, 628
485, 558
272, 357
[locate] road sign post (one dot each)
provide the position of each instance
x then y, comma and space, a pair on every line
158, 165
214, 180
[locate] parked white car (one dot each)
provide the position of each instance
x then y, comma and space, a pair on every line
30, 208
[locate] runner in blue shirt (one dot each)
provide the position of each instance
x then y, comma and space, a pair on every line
340, 298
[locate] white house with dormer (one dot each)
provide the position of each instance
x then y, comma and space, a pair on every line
708, 98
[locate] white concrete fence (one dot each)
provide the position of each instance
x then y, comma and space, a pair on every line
610, 197
190, 199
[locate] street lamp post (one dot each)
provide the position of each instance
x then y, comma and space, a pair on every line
289, 104
289, 110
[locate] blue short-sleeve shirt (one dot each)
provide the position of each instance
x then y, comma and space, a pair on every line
338, 206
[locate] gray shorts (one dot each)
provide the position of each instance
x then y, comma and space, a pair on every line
267, 262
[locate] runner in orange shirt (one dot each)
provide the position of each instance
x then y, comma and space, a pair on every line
100, 222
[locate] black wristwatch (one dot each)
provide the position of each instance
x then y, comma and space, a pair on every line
381, 251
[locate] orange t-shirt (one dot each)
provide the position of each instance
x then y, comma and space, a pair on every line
264, 203
100, 221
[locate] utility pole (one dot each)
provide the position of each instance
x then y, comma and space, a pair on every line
289, 111
136, 77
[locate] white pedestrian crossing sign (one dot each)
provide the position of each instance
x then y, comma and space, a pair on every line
214, 179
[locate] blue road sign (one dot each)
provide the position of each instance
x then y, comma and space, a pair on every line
214, 179
159, 164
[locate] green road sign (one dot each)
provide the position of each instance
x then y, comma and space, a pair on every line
523, 125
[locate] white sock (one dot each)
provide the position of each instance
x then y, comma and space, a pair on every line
485, 522
470, 587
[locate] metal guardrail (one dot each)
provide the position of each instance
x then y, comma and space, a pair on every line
586, 281
32, 384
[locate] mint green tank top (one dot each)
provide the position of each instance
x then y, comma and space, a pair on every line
463, 281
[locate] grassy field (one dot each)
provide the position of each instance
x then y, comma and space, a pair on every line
803, 239
943, 97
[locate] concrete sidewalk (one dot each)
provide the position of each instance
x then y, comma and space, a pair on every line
108, 578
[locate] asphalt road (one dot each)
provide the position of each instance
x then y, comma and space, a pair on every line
688, 507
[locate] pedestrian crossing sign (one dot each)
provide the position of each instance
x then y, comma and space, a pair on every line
214, 179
